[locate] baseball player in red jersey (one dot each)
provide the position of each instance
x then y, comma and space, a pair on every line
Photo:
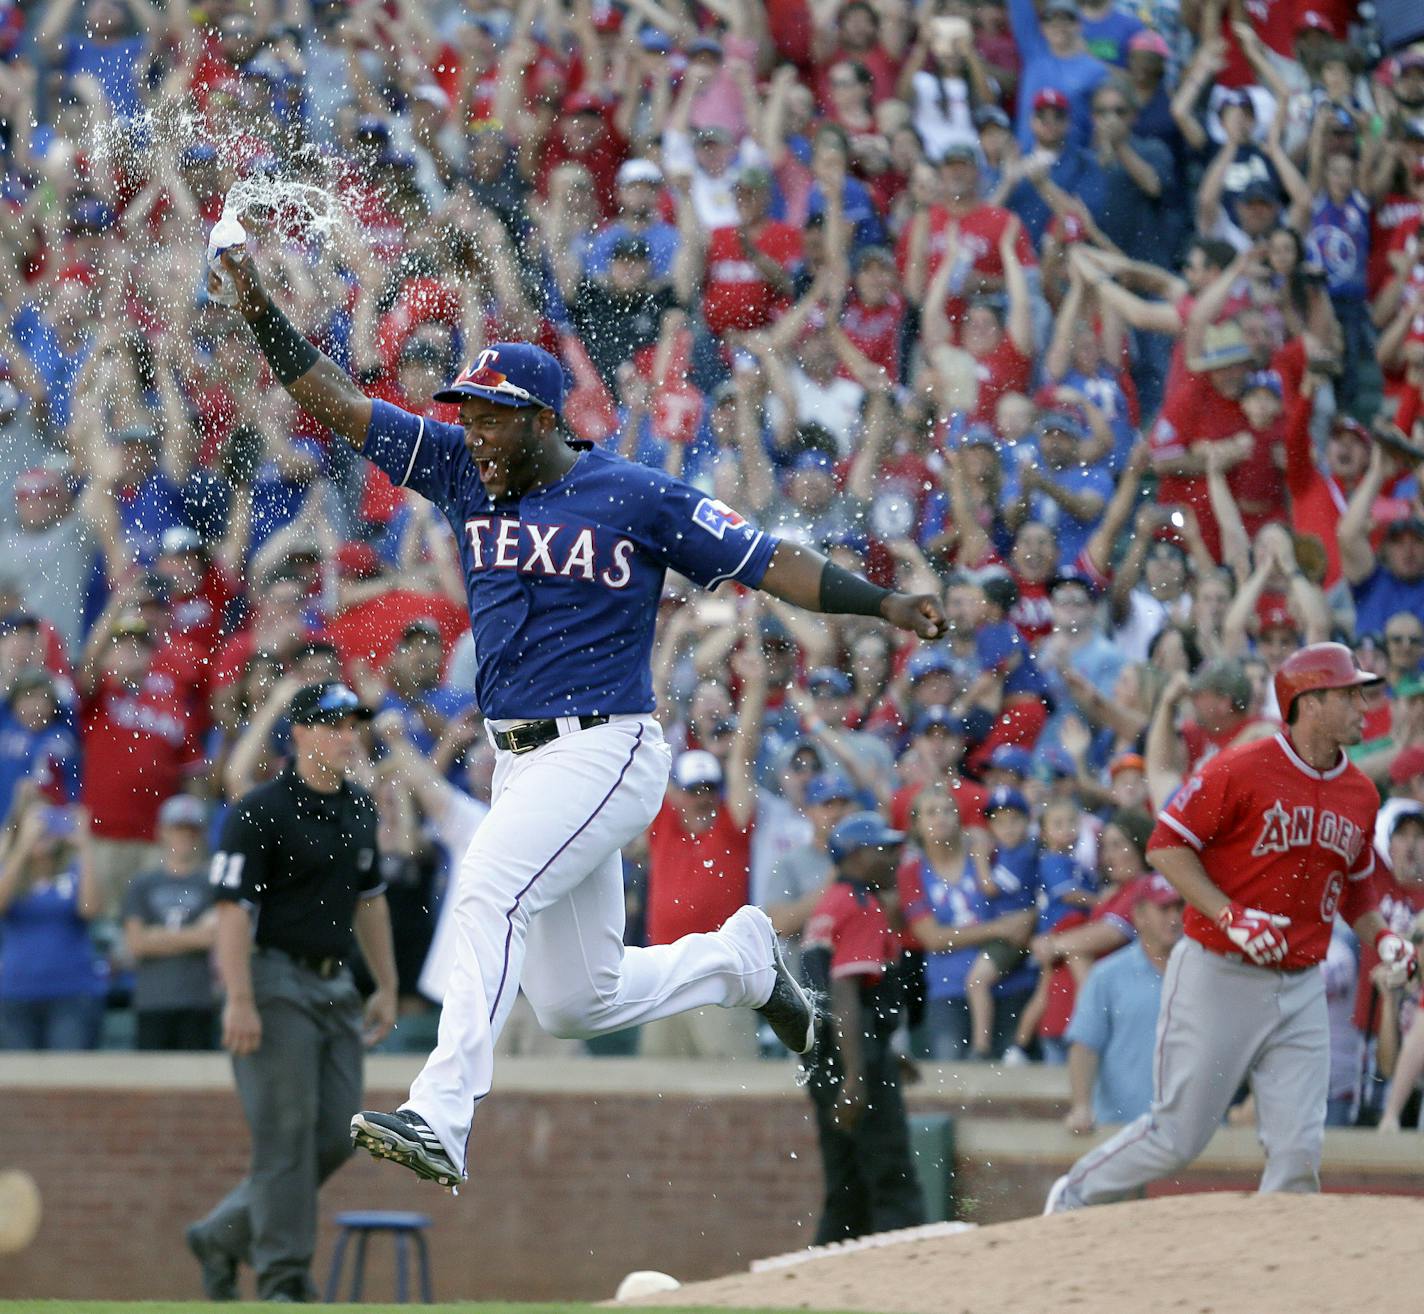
1266, 843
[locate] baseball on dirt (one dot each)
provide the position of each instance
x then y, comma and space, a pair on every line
645, 1282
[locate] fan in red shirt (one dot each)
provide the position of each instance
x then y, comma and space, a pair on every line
1318, 496
584, 135
974, 228
699, 872
200, 590
1206, 408
856, 38
747, 278
134, 739
997, 331
874, 314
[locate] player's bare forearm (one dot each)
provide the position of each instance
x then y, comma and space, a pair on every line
1082, 1073
315, 381
372, 925
1184, 869
1368, 925
803, 577
233, 951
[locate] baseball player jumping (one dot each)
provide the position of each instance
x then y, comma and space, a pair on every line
1266, 843
564, 553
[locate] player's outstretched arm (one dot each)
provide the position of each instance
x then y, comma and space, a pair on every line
804, 578
318, 384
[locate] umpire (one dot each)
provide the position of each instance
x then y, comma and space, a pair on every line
295, 875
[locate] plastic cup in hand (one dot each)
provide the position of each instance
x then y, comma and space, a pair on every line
227, 235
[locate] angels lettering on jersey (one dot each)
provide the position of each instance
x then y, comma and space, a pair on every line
1283, 829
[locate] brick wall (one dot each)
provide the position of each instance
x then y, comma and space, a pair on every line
580, 1174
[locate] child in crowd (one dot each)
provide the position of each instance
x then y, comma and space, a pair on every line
1013, 868
1067, 892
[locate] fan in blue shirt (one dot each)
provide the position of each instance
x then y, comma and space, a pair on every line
1010, 883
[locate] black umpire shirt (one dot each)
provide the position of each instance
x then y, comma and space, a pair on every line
300, 861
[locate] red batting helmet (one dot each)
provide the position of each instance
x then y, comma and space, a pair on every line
1318, 666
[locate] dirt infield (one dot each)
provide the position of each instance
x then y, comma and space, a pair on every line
1215, 1253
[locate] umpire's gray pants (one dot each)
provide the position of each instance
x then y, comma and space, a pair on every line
299, 1092
1221, 1021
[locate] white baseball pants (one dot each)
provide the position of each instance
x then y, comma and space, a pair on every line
1222, 1021
539, 903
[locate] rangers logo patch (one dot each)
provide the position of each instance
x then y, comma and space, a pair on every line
716, 517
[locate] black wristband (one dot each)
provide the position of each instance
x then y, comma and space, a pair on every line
844, 594
288, 352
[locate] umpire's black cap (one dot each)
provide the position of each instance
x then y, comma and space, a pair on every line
328, 703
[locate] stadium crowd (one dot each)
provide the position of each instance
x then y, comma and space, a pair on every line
1102, 320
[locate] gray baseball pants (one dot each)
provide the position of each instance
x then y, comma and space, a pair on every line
1221, 1022
299, 1092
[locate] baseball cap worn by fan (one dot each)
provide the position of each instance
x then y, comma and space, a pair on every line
1408, 765
639, 171
861, 830
1156, 888
1226, 677
328, 703
1010, 757
829, 787
696, 767
1006, 799
939, 717
1223, 345
1051, 97
1152, 42
183, 810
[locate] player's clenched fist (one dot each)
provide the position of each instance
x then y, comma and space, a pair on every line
1398, 957
1261, 936
919, 612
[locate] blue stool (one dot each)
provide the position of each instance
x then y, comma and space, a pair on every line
403, 1226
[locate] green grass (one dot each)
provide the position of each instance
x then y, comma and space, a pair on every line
187, 1307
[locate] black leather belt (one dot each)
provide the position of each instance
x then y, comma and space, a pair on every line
326, 968
529, 735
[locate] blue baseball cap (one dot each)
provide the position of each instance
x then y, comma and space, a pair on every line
861, 830
1010, 757
1073, 575
815, 459
1006, 799
939, 717
511, 374
1268, 380
1063, 421
928, 661
827, 679
830, 787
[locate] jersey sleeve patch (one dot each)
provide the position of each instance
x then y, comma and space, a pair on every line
716, 517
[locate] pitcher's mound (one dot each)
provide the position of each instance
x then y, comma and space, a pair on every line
1215, 1253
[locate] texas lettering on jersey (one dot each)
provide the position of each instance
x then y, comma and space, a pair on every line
504, 543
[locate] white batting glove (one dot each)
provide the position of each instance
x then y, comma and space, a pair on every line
1398, 957
1259, 935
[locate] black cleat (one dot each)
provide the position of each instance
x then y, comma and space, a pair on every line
219, 1267
791, 1010
405, 1138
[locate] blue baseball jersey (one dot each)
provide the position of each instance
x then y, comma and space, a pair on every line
563, 581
